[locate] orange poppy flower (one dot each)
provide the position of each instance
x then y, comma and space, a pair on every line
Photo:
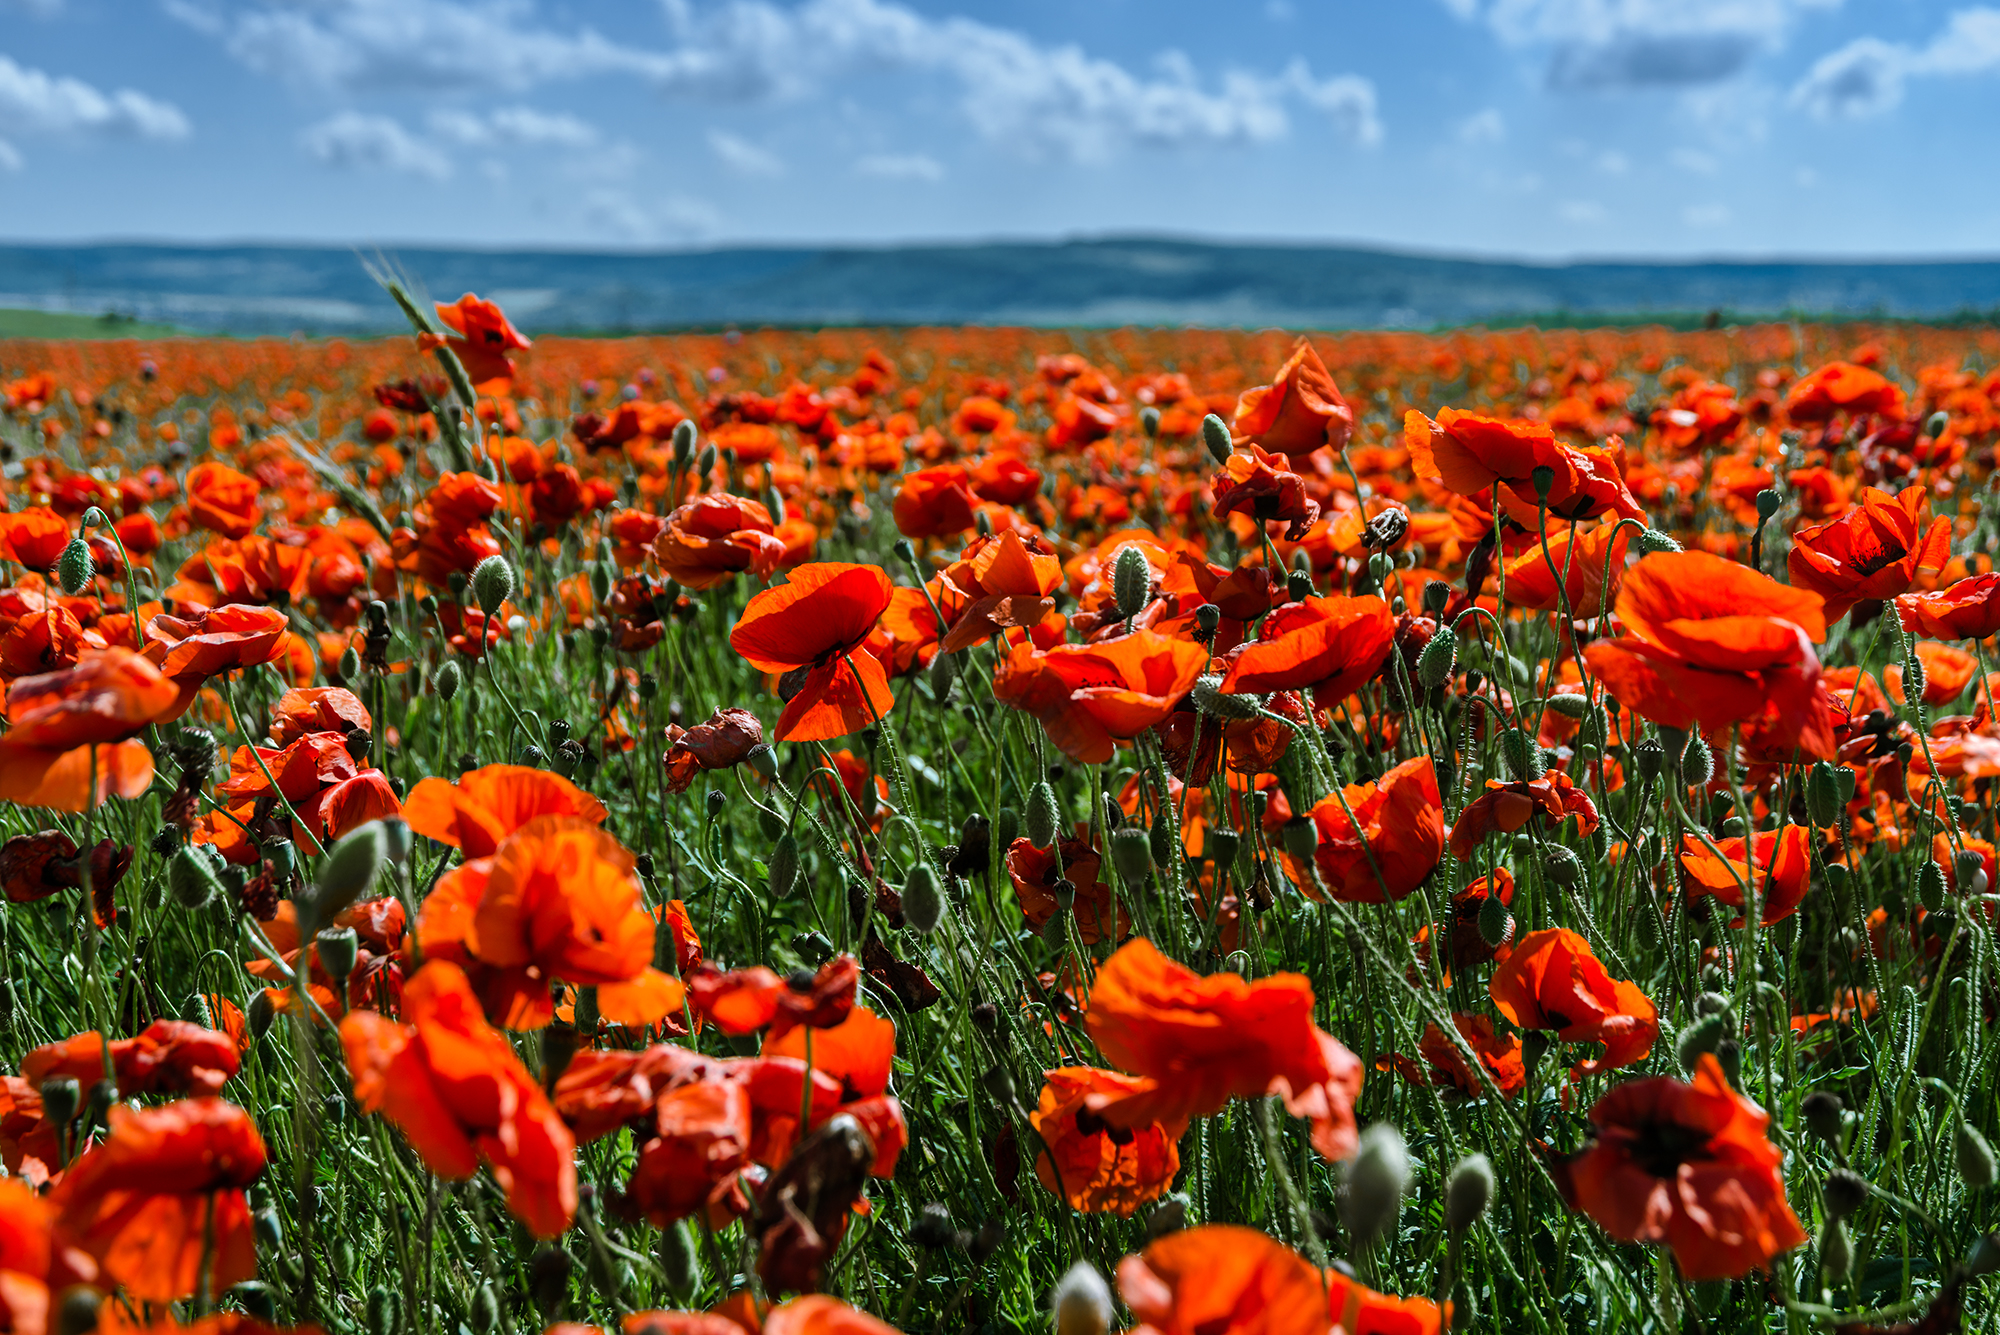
1713, 643
164, 1180
488, 804
1782, 867
1089, 697
807, 629
318, 709
998, 583
698, 1141
1947, 672
1256, 483
168, 1057
1500, 1054
1223, 1279
1507, 807
1967, 610
556, 900
1096, 1167
484, 339
1467, 453
1198, 1042
1035, 871
60, 720
1552, 981
455, 1088
1689, 1167
1333, 645
26, 1250
857, 1051
817, 1314
742, 1001
715, 536
202, 644
1581, 556
222, 500
1872, 552
1298, 412
936, 502
1402, 831
1843, 387
34, 537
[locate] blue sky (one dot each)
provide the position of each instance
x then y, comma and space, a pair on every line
1507, 127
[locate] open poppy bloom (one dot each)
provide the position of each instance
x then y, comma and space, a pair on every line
1782, 868
936, 502
807, 630
1553, 981
222, 500
1507, 807
556, 900
1399, 843
1714, 643
454, 1087
817, 1314
193, 648
1035, 871
484, 339
1968, 610
1298, 412
1089, 697
997, 583
1332, 645
1096, 1167
164, 1180
488, 804
59, 720
318, 709
1688, 1167
1843, 387
715, 536
1872, 552
34, 537
167, 1057
1467, 453
1256, 483
1500, 1054
1223, 1279
742, 1001
1198, 1042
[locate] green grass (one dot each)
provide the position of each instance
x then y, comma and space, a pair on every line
16, 323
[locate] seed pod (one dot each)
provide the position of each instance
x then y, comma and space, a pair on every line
493, 583
1215, 435
1131, 580
1468, 1192
1650, 758
1440, 656
784, 865
449, 678
1562, 866
350, 869
1375, 1179
999, 1081
1042, 817
1298, 586
678, 1261
1651, 540
1822, 1111
933, 1227
339, 949
1132, 854
1494, 920
1300, 837
1082, 1300
74, 568
1768, 502
1206, 618
923, 898
1975, 1156
1843, 1193
190, 879
1220, 847
61, 1096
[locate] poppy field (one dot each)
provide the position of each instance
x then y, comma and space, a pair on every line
935, 830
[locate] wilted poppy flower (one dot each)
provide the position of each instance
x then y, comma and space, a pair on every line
1035, 871
1843, 387
222, 500
1782, 870
1096, 1167
1689, 1167
1091, 696
1507, 807
167, 1057
727, 739
1332, 645
1399, 844
1223, 1279
715, 536
1714, 643
455, 1088
1552, 981
318, 709
1967, 610
1199, 1042
488, 804
163, 1192
484, 340
807, 630
1872, 552
1298, 412
1256, 483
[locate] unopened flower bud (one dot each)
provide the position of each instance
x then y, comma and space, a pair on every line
1651, 540
684, 439
191, 879
548, 1277
1823, 802
260, 1013
1937, 424
704, 463
999, 1083
678, 1261
943, 671
1149, 420
1375, 1178
923, 898
1209, 698
493, 583
1523, 756
1836, 1254
77, 1313
94, 518
449, 678
1843, 1193
350, 662
1914, 679
933, 1227
1435, 664
1701, 1038
1930, 886
1042, 818
1975, 1156
784, 865
1215, 435
1822, 1111
1468, 1192
1563, 866
1697, 762
74, 568
1132, 854
1131, 580
1169, 1216
1082, 1300
349, 870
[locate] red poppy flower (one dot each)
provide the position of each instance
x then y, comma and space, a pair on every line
715, 536
484, 340
1947, 672
318, 709
1298, 412
1874, 551
997, 583
1843, 387
1091, 696
168, 1057
1967, 610
1500, 1054
193, 648
222, 500
163, 1192
742, 1001
1468, 453
1096, 1167
1689, 1167
1399, 844
56, 720
1507, 807
1782, 868
1552, 981
486, 805
810, 626
936, 502
1256, 483
1332, 645
1223, 1279
34, 537
817, 1314
1713, 643
454, 1087
1035, 871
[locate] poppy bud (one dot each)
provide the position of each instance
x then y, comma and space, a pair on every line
1300, 837
1699, 1039
1042, 816
1823, 795
1935, 427
349, 666
1494, 920
1534, 1045
1523, 757
944, 671
548, 1277
1836, 1254
260, 1013
1082, 1300
1007, 827
77, 1313
94, 517
339, 948
448, 679
1975, 1156
999, 1083
61, 1096
684, 438
349, 869
1440, 656
923, 898
1563, 866
190, 879
784, 865
1208, 698
1468, 1192
678, 1261
1843, 1193
1914, 679
704, 463
74, 568
933, 1227
986, 1018
1964, 867
1651, 540
259, 1301
1822, 1111
1215, 435
1132, 854
1375, 1178
1697, 762
493, 583
1930, 886
1169, 1216
600, 582
1149, 420
1131, 581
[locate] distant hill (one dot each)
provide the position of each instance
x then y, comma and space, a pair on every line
1115, 281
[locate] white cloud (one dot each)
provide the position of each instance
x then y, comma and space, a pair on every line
516, 126
1867, 76
10, 157
901, 167
355, 140
33, 102
1603, 44
743, 157
1805, 178
1482, 127
1706, 215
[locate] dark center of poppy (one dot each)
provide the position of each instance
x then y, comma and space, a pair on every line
1660, 1148
1879, 559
